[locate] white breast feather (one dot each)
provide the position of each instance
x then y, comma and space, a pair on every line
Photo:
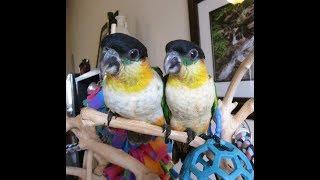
144, 105
188, 105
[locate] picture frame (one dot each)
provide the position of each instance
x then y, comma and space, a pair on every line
200, 17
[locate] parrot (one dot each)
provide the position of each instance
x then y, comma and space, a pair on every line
131, 87
190, 93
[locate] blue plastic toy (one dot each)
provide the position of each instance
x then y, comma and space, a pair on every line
203, 168
242, 166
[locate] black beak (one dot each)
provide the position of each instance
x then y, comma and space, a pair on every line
172, 63
110, 63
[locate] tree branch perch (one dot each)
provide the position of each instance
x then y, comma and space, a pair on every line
89, 164
83, 126
92, 117
231, 122
82, 173
116, 156
244, 66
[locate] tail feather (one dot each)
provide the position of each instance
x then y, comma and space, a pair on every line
137, 138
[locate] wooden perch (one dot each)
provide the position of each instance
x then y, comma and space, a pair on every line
244, 66
101, 164
82, 173
111, 154
100, 160
89, 164
91, 117
71, 123
98, 164
231, 122
120, 158
83, 126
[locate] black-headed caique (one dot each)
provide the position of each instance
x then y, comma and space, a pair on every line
190, 92
131, 87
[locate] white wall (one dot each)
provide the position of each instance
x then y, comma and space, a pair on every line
153, 22
69, 63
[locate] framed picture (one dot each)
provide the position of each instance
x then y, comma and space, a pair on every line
225, 32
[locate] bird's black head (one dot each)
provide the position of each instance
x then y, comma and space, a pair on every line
181, 53
120, 50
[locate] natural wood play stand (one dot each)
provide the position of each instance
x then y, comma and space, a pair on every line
98, 154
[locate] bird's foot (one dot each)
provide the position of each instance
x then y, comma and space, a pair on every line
204, 136
167, 130
217, 139
218, 143
110, 115
191, 135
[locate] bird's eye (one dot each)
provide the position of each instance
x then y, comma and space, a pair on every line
134, 54
193, 53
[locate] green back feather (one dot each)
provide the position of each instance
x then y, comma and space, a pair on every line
215, 102
164, 105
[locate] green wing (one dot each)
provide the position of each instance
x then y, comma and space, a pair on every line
215, 102
216, 114
165, 107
